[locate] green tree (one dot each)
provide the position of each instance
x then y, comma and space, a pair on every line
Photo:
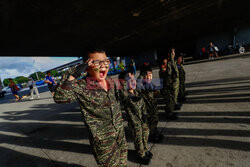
6, 82
21, 79
61, 73
40, 75
33, 76
54, 73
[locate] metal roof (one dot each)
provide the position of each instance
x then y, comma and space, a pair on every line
63, 28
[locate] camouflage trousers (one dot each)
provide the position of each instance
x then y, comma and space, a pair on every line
140, 132
110, 151
168, 95
153, 117
176, 85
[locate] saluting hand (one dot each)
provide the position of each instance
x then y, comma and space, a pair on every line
81, 68
89, 62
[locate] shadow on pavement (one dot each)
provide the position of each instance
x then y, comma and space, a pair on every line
11, 99
228, 92
201, 142
207, 132
49, 134
228, 81
64, 122
19, 159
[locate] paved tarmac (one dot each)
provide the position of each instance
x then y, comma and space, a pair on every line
213, 129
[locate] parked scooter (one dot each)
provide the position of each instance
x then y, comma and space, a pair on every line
238, 48
2, 93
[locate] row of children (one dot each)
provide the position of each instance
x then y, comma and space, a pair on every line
172, 75
101, 100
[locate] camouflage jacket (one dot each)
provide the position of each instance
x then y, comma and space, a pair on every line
133, 104
166, 77
175, 71
100, 109
149, 90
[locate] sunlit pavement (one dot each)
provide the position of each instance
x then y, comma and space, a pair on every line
212, 130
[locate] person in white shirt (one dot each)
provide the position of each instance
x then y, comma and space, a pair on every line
32, 86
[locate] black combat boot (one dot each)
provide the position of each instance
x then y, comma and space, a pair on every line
155, 137
160, 137
177, 106
183, 99
149, 154
145, 160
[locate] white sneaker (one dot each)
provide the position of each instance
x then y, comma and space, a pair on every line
31, 98
38, 97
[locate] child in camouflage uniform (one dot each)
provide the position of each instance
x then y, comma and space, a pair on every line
137, 118
182, 94
100, 107
167, 91
149, 92
175, 78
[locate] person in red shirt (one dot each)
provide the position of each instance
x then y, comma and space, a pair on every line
14, 89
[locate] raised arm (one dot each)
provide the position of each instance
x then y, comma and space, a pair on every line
64, 92
169, 69
46, 81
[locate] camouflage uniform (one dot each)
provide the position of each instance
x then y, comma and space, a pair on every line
102, 116
182, 82
175, 77
136, 109
167, 91
148, 91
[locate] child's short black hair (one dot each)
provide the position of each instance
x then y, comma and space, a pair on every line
92, 49
122, 75
148, 68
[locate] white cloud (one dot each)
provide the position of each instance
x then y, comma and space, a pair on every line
11, 67
11, 72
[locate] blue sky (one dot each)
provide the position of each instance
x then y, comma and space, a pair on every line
11, 67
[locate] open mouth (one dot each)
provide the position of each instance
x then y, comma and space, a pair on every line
102, 74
